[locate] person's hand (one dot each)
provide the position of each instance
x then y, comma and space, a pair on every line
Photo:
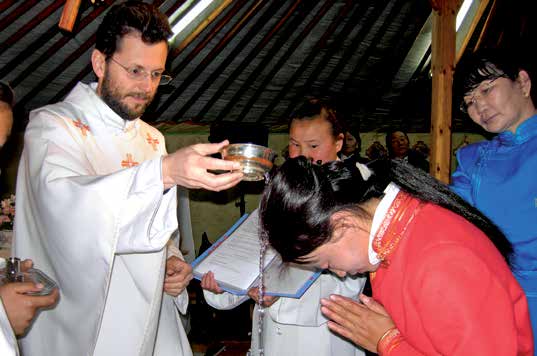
188, 167
268, 300
178, 275
21, 308
208, 282
364, 324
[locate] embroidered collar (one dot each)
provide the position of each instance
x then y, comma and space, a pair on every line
398, 218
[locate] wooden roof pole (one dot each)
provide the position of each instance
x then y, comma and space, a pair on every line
442, 67
69, 15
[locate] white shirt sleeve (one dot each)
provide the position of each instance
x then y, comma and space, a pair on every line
8, 341
306, 311
224, 301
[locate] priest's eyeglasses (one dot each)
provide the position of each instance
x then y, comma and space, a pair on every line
139, 73
481, 92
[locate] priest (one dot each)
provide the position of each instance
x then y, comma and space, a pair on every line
96, 201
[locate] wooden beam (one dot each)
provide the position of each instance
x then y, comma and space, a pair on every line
442, 67
69, 15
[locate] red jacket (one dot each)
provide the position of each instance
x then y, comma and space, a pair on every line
449, 291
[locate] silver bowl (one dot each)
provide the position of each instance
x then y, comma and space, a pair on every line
255, 160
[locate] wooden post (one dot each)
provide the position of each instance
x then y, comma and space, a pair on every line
69, 14
442, 67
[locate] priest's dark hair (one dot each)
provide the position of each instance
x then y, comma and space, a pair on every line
131, 17
301, 197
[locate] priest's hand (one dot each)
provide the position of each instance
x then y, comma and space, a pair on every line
188, 167
208, 282
21, 308
178, 275
268, 300
363, 323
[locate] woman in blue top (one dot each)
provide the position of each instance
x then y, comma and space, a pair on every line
499, 176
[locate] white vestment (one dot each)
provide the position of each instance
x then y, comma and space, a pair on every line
296, 327
92, 214
8, 341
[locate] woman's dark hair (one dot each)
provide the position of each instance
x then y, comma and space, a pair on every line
488, 64
312, 108
301, 197
129, 17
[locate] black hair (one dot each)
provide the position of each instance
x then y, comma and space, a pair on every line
6, 94
129, 17
301, 197
488, 64
312, 108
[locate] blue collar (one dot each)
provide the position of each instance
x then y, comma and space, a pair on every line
524, 132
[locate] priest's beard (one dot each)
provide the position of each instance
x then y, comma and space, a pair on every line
113, 98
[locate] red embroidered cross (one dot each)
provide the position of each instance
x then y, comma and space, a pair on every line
128, 163
81, 126
152, 141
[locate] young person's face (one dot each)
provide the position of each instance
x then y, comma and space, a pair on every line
500, 104
130, 97
314, 140
346, 253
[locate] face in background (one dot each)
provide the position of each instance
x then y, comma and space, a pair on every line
501, 104
399, 144
314, 140
129, 97
6, 122
351, 144
347, 250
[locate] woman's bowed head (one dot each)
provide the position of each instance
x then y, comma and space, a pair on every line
309, 209
428, 248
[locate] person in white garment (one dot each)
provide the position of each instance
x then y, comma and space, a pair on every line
17, 309
96, 202
296, 327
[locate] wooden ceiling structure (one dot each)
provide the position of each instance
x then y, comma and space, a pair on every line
256, 60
